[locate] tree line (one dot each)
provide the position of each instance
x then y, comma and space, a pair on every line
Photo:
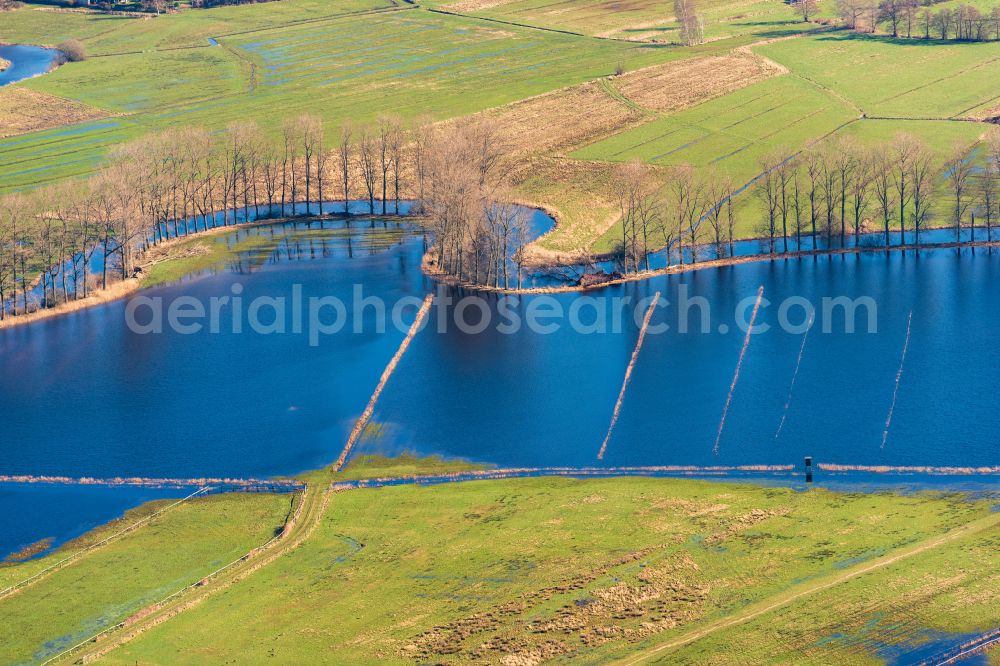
916, 19
838, 191
59, 243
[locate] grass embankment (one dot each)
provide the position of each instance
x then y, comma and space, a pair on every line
105, 586
541, 568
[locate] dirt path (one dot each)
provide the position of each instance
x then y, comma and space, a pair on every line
797, 592
297, 530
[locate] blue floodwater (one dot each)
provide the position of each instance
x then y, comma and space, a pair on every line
249, 404
33, 512
26, 62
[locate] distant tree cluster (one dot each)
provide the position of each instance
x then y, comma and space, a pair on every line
73, 50
917, 19
692, 23
462, 174
185, 180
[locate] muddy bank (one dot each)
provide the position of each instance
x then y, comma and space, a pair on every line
431, 269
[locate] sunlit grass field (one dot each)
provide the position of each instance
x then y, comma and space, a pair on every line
387, 565
645, 20
105, 586
896, 78
733, 132
408, 63
106, 34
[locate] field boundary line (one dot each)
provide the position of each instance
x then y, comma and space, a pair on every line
628, 374
16, 587
806, 589
362, 421
515, 24
203, 582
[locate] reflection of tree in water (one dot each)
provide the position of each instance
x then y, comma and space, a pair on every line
311, 240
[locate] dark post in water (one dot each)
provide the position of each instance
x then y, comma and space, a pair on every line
809, 469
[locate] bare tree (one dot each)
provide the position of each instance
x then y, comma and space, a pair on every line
344, 163
959, 169
692, 24
902, 150
397, 140
991, 182
922, 186
806, 8
767, 188
719, 191
291, 140
861, 190
310, 130
814, 174
369, 166
883, 187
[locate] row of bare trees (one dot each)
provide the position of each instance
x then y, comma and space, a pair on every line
838, 191
684, 212
913, 18
846, 189
61, 242
691, 22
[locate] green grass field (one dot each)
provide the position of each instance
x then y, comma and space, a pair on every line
105, 586
407, 62
733, 132
641, 20
585, 570
943, 596
107, 35
896, 78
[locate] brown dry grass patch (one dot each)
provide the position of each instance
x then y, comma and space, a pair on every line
561, 121
679, 85
578, 194
25, 110
475, 5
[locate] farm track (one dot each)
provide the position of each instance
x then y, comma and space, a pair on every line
308, 514
803, 590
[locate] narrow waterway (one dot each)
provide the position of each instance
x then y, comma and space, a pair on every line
26, 62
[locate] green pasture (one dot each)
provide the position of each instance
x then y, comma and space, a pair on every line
104, 587
105, 35
904, 78
945, 595
148, 81
410, 63
646, 20
732, 133
387, 565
